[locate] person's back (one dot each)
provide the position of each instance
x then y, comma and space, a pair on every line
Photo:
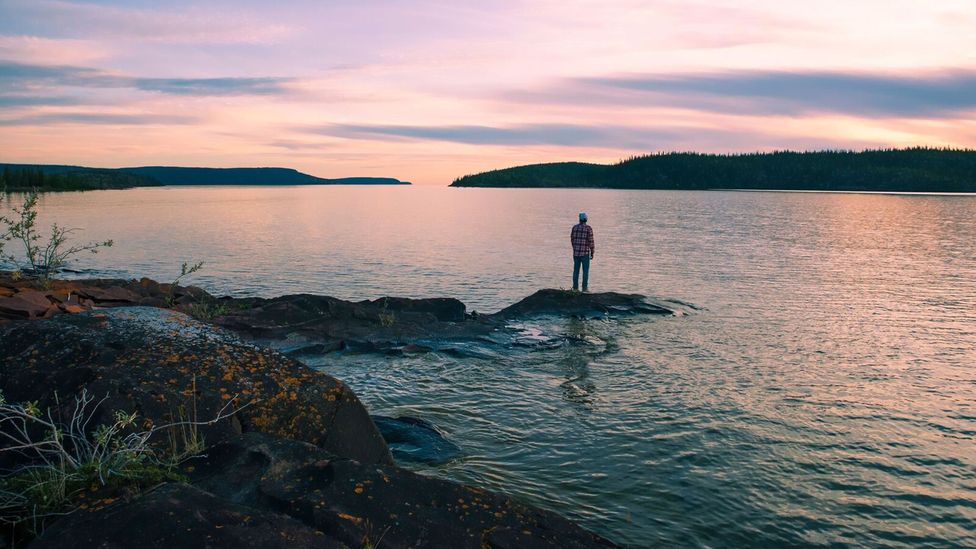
581, 237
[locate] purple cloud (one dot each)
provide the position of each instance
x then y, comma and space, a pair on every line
774, 92
20, 76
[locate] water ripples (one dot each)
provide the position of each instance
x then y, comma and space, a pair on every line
825, 395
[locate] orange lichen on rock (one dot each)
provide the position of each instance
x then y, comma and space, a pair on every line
350, 518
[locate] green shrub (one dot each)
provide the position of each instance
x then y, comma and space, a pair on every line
42, 257
207, 310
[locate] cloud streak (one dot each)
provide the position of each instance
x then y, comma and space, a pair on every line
773, 93
98, 119
19, 76
7, 101
529, 134
594, 135
214, 86
172, 24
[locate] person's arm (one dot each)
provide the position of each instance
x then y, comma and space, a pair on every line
592, 243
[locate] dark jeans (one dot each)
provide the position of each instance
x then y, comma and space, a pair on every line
583, 260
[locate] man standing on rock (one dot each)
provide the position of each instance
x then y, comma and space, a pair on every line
583, 247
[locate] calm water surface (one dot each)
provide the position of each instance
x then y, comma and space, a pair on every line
825, 394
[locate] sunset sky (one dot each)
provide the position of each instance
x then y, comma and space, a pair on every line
427, 91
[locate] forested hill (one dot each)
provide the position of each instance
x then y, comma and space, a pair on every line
249, 176
895, 170
50, 177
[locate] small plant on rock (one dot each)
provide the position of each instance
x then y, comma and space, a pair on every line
3, 224
59, 458
207, 309
185, 270
387, 318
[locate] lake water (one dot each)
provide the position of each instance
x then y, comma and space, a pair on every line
824, 395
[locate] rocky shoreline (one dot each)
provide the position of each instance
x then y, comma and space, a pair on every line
299, 461
316, 324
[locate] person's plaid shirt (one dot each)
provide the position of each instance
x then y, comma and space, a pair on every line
582, 238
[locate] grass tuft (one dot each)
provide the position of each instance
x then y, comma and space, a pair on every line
63, 460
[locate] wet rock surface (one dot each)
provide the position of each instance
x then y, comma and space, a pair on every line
178, 515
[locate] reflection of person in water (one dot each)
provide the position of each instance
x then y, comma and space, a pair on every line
578, 386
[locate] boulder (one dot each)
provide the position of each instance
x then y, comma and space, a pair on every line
165, 365
584, 305
26, 304
174, 516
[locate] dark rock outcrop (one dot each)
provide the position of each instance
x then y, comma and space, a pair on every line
330, 319
177, 515
157, 361
413, 439
355, 502
261, 491
305, 324
585, 305
311, 322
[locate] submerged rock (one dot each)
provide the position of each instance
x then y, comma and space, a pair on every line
585, 305
413, 439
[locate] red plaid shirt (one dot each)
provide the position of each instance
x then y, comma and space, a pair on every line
582, 238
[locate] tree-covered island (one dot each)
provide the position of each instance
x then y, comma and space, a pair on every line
889, 170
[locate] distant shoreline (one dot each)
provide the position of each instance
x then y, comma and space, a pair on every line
913, 170
54, 177
893, 193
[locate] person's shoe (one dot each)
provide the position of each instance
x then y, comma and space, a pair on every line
585, 291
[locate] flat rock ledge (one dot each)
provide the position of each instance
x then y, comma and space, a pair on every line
314, 324
299, 464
